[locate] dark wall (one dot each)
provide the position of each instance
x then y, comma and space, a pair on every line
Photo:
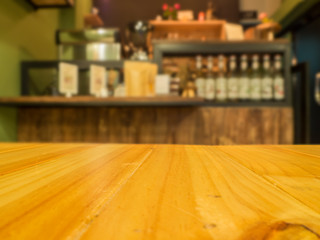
117, 13
308, 50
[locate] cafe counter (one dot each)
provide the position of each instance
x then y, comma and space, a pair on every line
172, 120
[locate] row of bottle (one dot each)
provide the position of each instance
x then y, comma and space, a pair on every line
244, 82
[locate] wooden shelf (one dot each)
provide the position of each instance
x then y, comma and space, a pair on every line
89, 101
93, 101
187, 30
51, 3
82, 64
235, 44
187, 23
173, 48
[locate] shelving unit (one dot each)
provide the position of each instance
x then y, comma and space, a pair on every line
172, 48
167, 119
83, 65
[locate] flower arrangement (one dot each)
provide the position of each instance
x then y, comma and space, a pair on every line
170, 12
263, 17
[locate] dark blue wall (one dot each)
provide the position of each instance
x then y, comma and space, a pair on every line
307, 45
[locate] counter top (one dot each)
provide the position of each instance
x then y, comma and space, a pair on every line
157, 101
110, 191
100, 101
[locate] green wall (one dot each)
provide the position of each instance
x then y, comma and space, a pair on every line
25, 34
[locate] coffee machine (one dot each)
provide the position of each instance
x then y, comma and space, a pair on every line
137, 33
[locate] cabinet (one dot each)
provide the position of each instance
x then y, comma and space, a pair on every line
187, 49
41, 77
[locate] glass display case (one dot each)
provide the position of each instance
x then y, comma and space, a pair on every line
177, 58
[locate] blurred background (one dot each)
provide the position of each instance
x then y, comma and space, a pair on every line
191, 44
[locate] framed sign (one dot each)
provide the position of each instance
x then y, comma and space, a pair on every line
98, 81
162, 84
68, 79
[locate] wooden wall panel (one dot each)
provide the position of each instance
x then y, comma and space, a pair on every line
185, 125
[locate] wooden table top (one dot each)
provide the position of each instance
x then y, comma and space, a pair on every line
109, 191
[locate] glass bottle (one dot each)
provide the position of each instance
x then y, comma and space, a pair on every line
210, 81
278, 81
267, 81
255, 79
200, 78
244, 83
233, 79
221, 81
209, 11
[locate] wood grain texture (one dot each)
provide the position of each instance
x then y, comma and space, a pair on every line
110, 191
189, 30
91, 100
185, 125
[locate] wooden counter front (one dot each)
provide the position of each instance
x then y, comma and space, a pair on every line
92, 191
176, 125
154, 120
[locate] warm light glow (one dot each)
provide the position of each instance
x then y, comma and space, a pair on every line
101, 31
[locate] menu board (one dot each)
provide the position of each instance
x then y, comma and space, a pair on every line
98, 81
68, 79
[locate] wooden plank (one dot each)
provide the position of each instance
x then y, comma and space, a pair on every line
52, 2
162, 128
90, 99
188, 30
187, 23
90, 167
163, 101
206, 125
112, 191
273, 165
